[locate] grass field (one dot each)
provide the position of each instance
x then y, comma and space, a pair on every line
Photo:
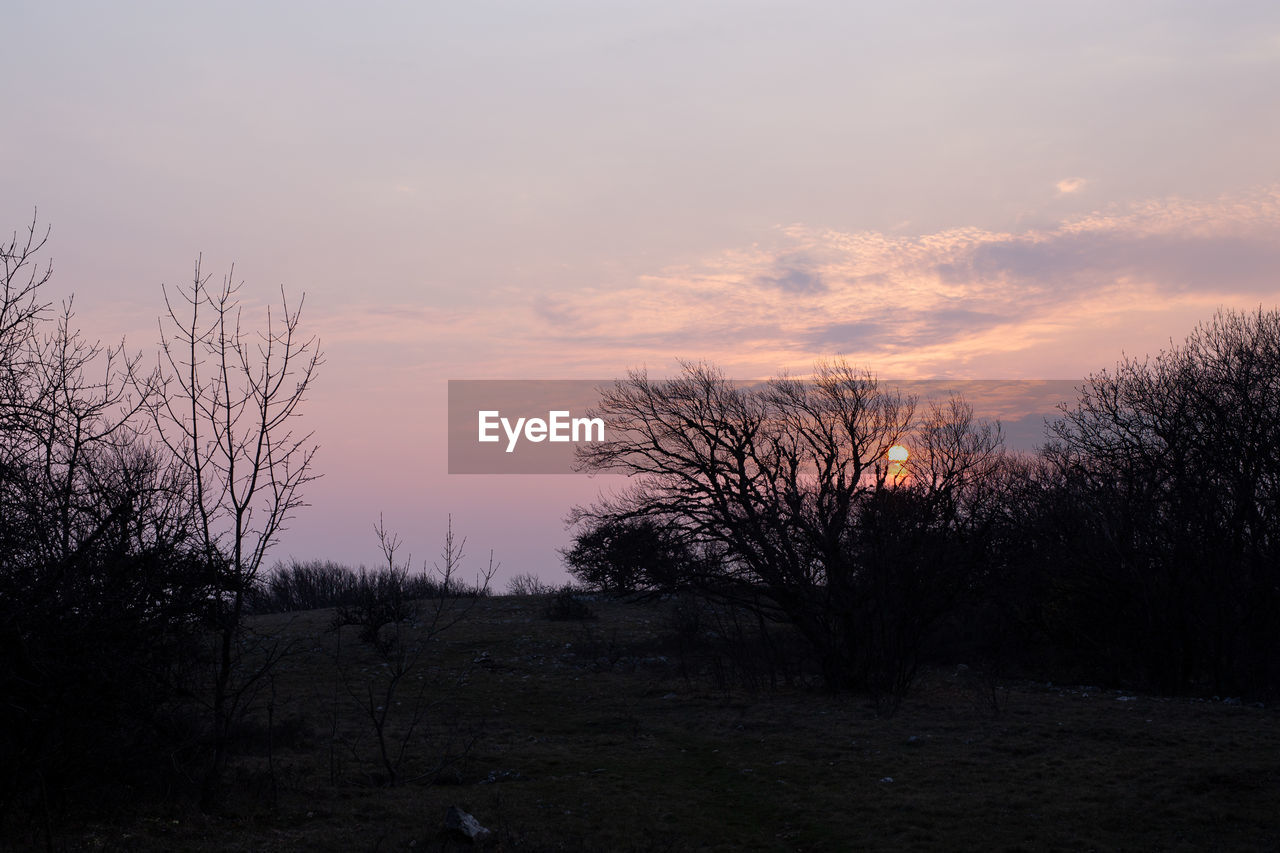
589, 736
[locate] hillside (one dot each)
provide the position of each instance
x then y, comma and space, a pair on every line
614, 733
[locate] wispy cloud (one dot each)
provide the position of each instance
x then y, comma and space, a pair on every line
951, 303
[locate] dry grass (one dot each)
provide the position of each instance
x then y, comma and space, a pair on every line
584, 738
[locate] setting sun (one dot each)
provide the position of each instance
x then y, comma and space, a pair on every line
897, 470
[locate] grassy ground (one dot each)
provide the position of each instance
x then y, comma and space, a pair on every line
588, 736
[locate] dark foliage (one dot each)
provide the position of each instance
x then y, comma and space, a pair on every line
104, 592
1159, 522
628, 555
316, 584
526, 583
127, 546
568, 604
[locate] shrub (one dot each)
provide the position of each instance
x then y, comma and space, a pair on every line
568, 605
527, 584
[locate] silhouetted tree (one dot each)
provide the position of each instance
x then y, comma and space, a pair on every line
1169, 468
227, 411
99, 601
780, 481
919, 547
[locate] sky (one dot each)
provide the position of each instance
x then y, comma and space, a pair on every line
569, 190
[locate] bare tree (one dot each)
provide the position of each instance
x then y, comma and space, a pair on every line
22, 278
1173, 473
21, 309
767, 474
400, 631
228, 409
97, 588
770, 485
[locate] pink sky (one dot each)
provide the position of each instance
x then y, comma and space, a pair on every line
563, 190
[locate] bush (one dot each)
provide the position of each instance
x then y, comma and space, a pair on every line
568, 605
307, 585
317, 584
626, 555
527, 584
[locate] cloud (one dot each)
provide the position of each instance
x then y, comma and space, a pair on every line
1067, 186
1060, 300
936, 326
382, 324
1176, 261
947, 301
557, 312
793, 274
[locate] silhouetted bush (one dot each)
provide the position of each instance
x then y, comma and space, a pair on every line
307, 585
527, 584
317, 584
568, 605
624, 555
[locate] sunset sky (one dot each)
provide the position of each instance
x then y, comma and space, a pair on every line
553, 190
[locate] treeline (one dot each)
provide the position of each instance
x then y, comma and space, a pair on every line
1137, 547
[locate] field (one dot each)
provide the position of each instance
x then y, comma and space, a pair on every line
609, 734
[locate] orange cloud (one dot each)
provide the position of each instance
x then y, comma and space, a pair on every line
961, 302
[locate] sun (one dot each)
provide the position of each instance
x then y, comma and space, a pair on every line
897, 470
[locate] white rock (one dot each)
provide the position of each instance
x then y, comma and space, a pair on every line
460, 823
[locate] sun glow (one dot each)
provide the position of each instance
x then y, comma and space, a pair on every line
897, 470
